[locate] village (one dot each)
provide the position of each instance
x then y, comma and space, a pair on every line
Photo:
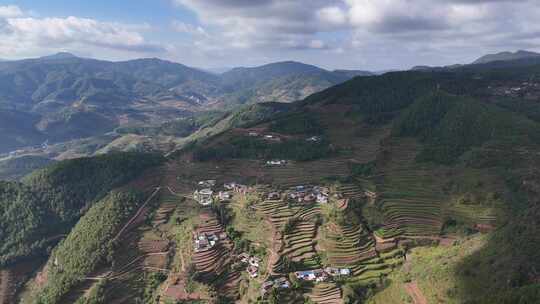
208, 192
528, 90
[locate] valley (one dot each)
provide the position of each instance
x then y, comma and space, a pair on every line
62, 106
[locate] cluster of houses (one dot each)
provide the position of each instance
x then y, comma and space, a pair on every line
303, 194
322, 275
252, 262
528, 90
236, 188
205, 241
282, 283
309, 194
206, 195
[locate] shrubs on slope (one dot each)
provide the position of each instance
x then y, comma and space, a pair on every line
89, 244
257, 113
69, 186
373, 95
297, 123
22, 216
244, 147
451, 125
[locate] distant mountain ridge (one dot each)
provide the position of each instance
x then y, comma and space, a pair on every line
518, 58
63, 97
506, 56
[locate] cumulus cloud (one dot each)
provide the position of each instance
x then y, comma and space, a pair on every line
371, 27
10, 11
22, 34
182, 27
269, 23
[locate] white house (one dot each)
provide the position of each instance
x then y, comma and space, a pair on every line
322, 198
204, 196
276, 162
224, 195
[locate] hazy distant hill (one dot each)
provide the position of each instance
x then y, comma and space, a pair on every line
279, 82
506, 56
353, 73
63, 97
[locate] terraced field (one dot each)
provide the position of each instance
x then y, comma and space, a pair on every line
299, 245
142, 250
325, 293
411, 196
214, 266
348, 244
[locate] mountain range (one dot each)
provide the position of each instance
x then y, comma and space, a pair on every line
63, 97
383, 189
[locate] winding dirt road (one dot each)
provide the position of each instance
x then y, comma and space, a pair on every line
415, 293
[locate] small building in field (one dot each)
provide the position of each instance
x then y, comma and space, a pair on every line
282, 283
253, 271
229, 186
317, 275
309, 198
266, 286
207, 183
205, 241
254, 261
273, 196
322, 198
243, 189
204, 196
244, 257
224, 196
335, 272
277, 162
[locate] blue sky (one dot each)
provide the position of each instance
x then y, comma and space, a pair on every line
352, 34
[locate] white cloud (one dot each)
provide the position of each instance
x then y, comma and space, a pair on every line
191, 29
317, 44
10, 11
21, 34
401, 32
332, 15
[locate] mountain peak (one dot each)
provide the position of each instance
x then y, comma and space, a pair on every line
506, 56
59, 56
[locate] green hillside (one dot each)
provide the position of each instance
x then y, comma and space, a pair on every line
50, 201
16, 168
451, 125
88, 244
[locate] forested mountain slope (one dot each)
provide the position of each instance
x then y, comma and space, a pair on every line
50, 201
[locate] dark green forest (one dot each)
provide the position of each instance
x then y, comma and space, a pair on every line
88, 244
450, 125
50, 201
254, 148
